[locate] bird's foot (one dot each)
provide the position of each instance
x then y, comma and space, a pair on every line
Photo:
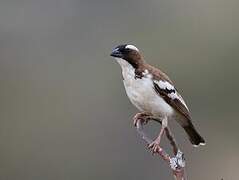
155, 146
143, 117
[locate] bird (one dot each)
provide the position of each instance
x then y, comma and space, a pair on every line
152, 92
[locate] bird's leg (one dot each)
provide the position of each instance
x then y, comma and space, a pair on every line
155, 145
143, 117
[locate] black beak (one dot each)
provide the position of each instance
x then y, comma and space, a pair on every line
116, 53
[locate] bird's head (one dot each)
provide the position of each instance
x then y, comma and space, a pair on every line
128, 53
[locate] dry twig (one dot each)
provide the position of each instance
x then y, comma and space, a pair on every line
176, 163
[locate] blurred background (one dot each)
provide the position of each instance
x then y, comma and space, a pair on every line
64, 113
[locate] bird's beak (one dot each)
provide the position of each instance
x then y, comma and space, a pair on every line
116, 53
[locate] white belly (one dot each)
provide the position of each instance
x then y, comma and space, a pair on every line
142, 94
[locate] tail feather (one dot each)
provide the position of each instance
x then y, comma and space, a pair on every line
194, 136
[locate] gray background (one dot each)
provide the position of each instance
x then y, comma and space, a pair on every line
64, 114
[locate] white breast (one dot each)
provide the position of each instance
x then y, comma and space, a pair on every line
141, 91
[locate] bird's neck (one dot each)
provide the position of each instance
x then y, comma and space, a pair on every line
129, 70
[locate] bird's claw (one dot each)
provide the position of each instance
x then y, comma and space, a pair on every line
155, 147
141, 117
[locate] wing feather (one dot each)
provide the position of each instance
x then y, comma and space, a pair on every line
167, 91
164, 87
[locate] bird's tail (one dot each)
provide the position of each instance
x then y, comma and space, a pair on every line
194, 136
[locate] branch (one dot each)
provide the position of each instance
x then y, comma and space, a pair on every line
176, 163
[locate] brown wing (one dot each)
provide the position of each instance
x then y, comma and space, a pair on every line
177, 102
169, 93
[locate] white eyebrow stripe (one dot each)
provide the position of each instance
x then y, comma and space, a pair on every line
131, 47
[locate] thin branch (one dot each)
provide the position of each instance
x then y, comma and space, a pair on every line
176, 163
